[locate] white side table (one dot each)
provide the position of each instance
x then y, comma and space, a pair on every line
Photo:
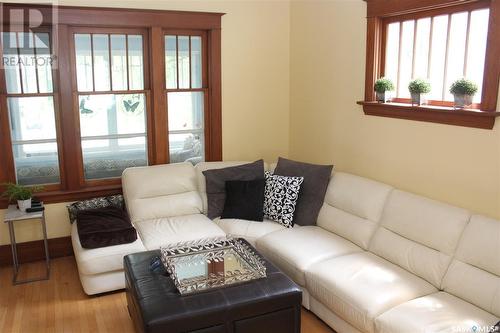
15, 215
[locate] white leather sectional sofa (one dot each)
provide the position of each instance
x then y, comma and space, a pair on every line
379, 259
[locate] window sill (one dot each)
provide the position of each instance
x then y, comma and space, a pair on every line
75, 195
434, 114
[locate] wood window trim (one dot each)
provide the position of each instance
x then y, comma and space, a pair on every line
154, 22
377, 11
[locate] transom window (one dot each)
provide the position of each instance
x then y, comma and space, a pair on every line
109, 62
440, 48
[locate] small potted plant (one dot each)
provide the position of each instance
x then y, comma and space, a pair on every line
22, 194
463, 91
382, 86
418, 88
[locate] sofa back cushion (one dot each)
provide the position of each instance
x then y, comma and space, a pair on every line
419, 234
474, 274
161, 191
353, 206
201, 182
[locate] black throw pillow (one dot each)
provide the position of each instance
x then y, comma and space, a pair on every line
244, 200
103, 227
312, 190
495, 328
216, 183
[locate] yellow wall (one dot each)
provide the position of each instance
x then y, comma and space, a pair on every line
448, 163
292, 73
255, 85
56, 217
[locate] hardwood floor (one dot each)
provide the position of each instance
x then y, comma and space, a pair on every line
60, 305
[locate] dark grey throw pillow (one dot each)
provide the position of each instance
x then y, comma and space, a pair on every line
312, 190
216, 183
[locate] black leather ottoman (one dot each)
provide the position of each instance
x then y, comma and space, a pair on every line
271, 304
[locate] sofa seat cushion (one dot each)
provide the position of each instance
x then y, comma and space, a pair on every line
361, 286
294, 250
440, 312
249, 230
104, 259
171, 230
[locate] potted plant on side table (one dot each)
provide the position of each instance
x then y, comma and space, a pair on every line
418, 88
463, 91
382, 86
23, 194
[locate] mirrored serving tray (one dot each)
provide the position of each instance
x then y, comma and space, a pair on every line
211, 263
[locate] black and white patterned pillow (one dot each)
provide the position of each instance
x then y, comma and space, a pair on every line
101, 202
280, 198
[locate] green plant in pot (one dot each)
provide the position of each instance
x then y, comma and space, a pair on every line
382, 87
22, 194
418, 88
463, 91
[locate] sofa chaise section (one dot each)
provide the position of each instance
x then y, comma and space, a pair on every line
101, 269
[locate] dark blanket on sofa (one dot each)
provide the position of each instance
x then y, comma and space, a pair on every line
102, 227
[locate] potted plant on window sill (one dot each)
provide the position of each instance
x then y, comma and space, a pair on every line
23, 194
463, 91
381, 87
418, 88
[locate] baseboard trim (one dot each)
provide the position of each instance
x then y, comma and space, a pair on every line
34, 251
